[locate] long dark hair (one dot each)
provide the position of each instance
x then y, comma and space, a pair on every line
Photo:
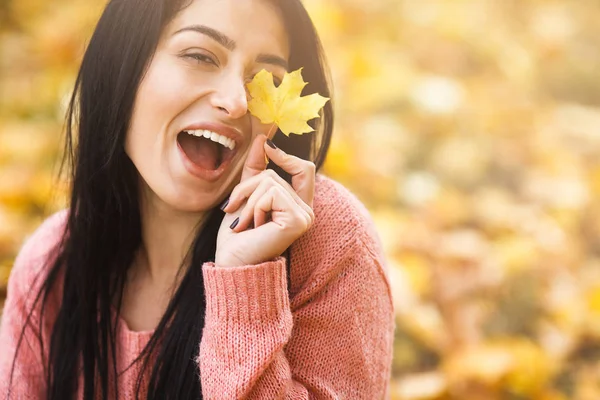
102, 231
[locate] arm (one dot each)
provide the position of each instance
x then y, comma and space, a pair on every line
27, 374
338, 344
26, 277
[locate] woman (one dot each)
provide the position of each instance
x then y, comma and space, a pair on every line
184, 270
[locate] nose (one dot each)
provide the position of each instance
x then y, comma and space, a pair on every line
231, 97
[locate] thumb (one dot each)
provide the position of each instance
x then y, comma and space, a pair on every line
256, 161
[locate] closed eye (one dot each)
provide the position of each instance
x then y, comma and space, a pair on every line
201, 58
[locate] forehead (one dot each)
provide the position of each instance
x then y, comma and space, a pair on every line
251, 24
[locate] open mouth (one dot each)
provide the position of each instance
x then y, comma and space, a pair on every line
205, 151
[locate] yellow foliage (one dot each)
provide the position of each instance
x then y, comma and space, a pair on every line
516, 364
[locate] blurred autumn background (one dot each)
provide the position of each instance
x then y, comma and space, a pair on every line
469, 128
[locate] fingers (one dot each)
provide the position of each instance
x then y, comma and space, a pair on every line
245, 189
256, 187
257, 183
248, 215
255, 163
301, 171
288, 222
284, 210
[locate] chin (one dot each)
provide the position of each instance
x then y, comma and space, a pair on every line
183, 204
181, 197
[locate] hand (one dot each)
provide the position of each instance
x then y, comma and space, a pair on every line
261, 194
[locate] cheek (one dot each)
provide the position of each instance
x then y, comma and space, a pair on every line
155, 107
161, 89
258, 128
160, 98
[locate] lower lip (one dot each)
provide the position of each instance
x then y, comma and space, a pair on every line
198, 172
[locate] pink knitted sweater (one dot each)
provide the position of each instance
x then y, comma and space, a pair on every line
329, 337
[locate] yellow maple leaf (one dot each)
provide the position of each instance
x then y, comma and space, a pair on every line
283, 105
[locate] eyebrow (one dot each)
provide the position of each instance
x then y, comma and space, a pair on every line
230, 44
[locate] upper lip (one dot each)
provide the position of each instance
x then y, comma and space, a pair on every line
221, 129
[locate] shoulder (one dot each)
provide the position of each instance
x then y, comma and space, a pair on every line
343, 230
341, 218
36, 253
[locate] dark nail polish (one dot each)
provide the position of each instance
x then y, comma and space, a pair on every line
271, 144
224, 204
237, 220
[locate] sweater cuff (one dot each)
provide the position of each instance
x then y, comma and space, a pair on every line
248, 294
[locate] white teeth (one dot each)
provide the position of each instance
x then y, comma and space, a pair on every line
231, 144
215, 137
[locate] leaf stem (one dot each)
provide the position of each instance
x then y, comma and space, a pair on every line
271, 129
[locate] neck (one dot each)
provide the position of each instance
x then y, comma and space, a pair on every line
167, 236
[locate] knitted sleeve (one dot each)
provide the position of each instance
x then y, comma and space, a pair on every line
334, 344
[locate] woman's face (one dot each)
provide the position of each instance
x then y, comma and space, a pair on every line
197, 82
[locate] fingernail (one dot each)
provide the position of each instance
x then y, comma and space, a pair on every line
271, 144
224, 204
237, 220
